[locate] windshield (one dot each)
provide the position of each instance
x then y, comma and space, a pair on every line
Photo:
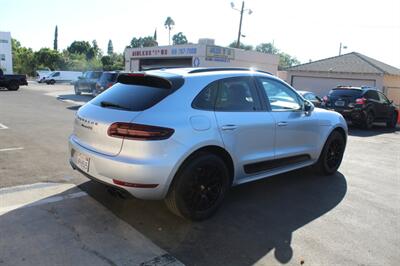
131, 97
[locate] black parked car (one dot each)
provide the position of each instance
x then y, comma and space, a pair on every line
106, 80
87, 82
308, 95
363, 106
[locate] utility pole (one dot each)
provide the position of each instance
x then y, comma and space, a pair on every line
242, 10
240, 26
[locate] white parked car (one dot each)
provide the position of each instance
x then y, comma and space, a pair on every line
62, 76
188, 135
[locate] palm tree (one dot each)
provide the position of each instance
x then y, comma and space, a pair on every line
169, 24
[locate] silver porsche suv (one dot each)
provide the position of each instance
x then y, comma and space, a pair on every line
188, 135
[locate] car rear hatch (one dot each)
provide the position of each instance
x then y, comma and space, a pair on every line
340, 98
121, 104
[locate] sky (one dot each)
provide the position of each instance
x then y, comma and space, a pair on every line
306, 29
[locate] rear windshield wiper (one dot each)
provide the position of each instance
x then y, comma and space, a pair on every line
113, 105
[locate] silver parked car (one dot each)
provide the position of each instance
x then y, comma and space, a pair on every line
188, 135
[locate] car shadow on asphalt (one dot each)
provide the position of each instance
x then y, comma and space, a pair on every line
255, 219
377, 129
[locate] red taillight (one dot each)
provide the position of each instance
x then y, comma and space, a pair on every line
109, 85
325, 99
127, 184
139, 132
361, 101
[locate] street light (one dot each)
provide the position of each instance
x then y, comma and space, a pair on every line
340, 48
242, 10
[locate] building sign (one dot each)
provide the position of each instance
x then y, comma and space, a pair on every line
220, 54
184, 51
150, 52
161, 52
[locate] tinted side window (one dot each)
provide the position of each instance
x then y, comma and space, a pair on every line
280, 97
372, 95
383, 98
310, 96
205, 100
237, 95
56, 74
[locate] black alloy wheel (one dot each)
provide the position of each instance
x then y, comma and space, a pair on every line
331, 155
199, 187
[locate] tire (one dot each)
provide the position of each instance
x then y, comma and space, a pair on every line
13, 86
199, 187
331, 155
369, 120
94, 92
77, 92
392, 121
52, 82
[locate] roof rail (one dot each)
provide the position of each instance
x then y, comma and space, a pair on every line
212, 69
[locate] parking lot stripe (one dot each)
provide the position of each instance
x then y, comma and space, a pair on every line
12, 149
3, 126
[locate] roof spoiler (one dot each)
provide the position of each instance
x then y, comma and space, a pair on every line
143, 79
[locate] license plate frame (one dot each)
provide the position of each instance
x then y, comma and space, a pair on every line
82, 161
340, 103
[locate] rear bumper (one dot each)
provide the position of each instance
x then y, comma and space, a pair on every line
105, 168
351, 114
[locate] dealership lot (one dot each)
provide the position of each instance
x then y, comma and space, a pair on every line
351, 218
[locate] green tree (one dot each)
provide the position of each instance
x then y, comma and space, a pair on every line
267, 48
49, 58
96, 48
147, 41
55, 44
110, 48
169, 24
113, 62
179, 38
241, 46
286, 61
23, 59
79, 47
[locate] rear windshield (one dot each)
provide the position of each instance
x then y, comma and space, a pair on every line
345, 93
108, 77
131, 97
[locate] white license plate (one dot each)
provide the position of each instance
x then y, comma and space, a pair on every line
83, 161
339, 103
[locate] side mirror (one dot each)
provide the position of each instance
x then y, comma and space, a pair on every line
80, 77
308, 107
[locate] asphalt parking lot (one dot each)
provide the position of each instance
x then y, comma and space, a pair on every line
299, 218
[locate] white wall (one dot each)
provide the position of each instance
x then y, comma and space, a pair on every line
5, 53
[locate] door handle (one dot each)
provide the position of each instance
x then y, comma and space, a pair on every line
282, 124
229, 127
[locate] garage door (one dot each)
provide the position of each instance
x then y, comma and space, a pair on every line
393, 94
321, 86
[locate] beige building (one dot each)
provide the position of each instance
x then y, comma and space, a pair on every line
204, 54
352, 69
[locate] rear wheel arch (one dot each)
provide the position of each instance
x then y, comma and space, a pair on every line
211, 149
